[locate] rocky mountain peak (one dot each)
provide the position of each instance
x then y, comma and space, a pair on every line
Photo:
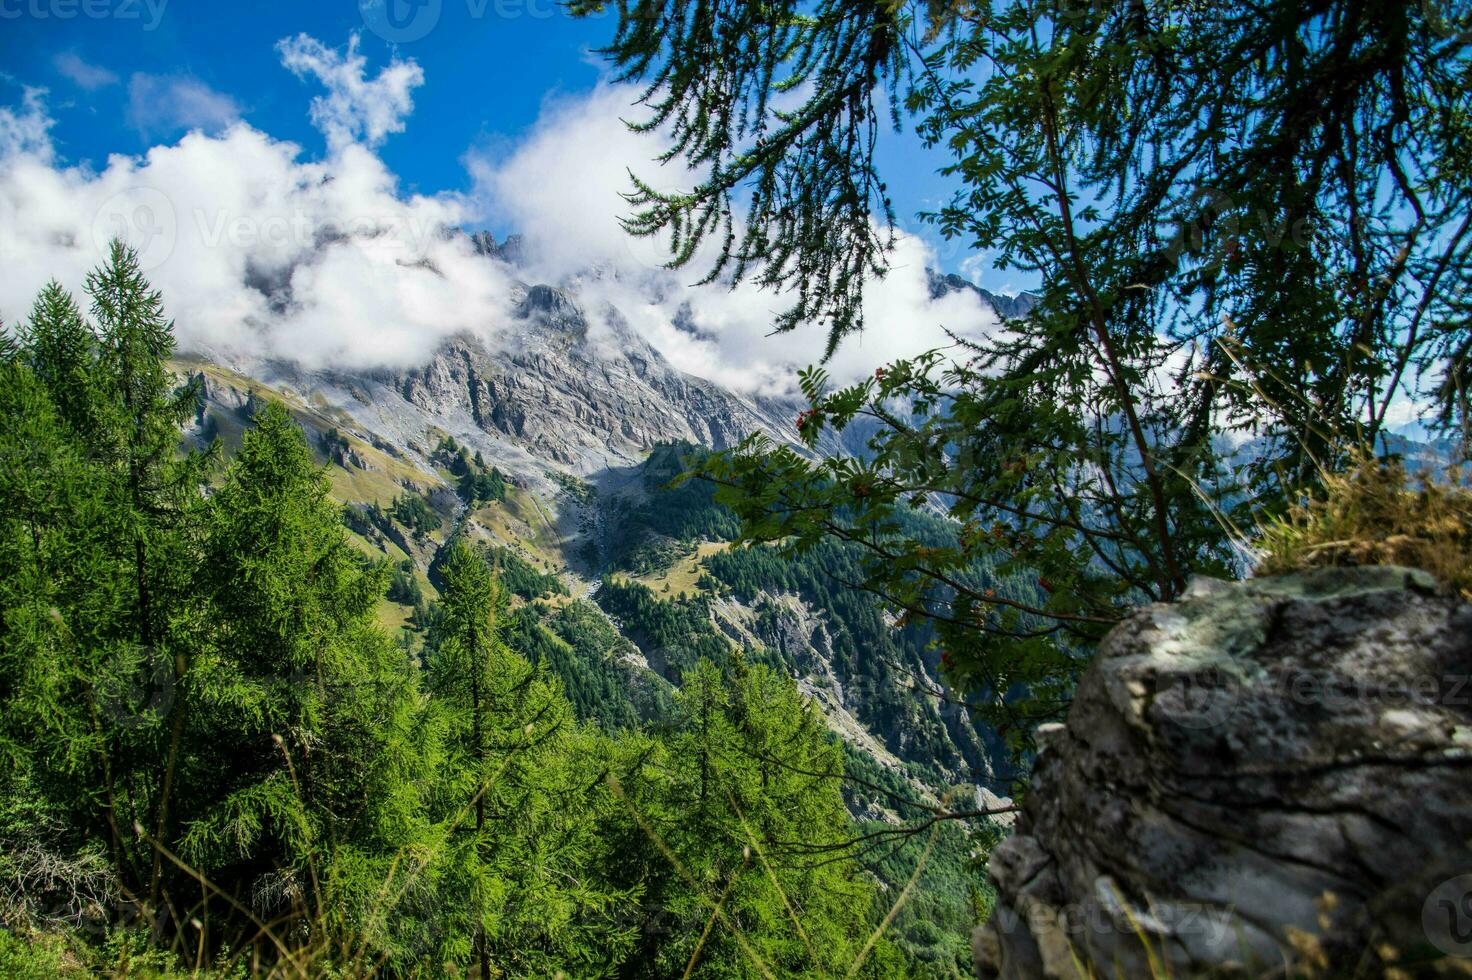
553, 307
511, 251
1007, 307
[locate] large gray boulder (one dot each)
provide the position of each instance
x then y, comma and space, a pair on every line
1263, 772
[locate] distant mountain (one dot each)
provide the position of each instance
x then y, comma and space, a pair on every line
549, 391
1007, 307
568, 413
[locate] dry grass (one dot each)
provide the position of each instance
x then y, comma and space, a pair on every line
1371, 515
683, 573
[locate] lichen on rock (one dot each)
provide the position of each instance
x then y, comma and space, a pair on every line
1260, 772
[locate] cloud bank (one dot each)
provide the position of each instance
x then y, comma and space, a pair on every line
563, 185
261, 252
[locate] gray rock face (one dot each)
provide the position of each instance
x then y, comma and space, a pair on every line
551, 390
509, 251
1259, 771
579, 401
559, 385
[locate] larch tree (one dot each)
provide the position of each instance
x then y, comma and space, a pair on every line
304, 748
523, 795
1249, 229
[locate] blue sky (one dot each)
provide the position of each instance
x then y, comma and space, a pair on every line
296, 164
489, 66
486, 76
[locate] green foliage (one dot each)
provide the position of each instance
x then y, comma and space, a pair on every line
480, 486
519, 578
216, 763
744, 827
570, 487
594, 664
62, 350
334, 446
673, 515
1031, 574
1175, 175
476, 483
875, 662
945, 859
715, 73
403, 585
302, 725
517, 758
48, 955
672, 635
413, 512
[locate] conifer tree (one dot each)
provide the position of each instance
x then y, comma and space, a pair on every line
62, 349
97, 417
522, 797
304, 731
749, 818
155, 491
461, 674
44, 573
9, 347
73, 694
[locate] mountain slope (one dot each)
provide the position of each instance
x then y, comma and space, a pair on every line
568, 411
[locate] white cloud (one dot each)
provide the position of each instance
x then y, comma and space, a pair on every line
162, 105
258, 252
355, 108
26, 130
80, 73
562, 186
262, 253
974, 267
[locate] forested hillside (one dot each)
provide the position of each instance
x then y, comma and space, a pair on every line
219, 755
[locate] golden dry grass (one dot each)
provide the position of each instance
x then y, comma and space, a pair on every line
1372, 515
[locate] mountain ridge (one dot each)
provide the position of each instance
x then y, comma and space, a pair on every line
570, 415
